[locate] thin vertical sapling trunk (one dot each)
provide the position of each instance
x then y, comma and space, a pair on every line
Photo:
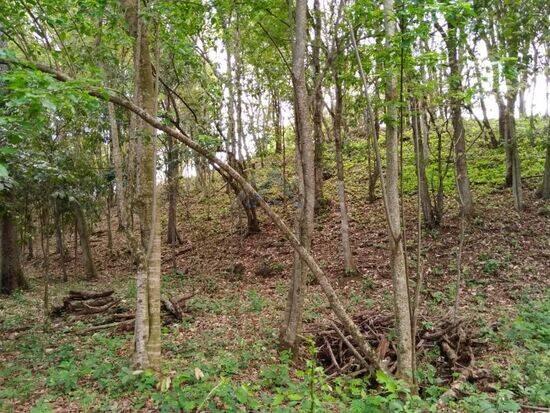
82, 228
305, 150
349, 264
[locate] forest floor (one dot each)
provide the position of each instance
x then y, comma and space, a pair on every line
224, 354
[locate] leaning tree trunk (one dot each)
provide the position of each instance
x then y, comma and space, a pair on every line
397, 260
306, 178
12, 273
82, 228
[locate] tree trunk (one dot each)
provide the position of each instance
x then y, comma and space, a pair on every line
172, 168
512, 151
58, 237
397, 260
546, 178
419, 150
459, 138
91, 271
109, 226
493, 142
306, 180
12, 273
117, 163
277, 127
317, 105
349, 264
147, 323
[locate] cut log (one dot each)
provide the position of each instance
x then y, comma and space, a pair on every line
82, 295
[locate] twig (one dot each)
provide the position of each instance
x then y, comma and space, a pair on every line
350, 346
331, 354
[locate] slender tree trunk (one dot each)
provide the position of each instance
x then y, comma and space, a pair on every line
172, 159
231, 140
459, 138
349, 264
91, 271
546, 178
397, 261
512, 150
12, 273
45, 244
117, 163
60, 241
493, 142
109, 226
58, 237
242, 145
423, 188
317, 105
277, 122
306, 178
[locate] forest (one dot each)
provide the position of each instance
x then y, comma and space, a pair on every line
274, 206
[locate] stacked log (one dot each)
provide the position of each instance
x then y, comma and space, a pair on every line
106, 312
82, 303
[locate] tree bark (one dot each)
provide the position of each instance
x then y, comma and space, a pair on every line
546, 177
277, 127
512, 149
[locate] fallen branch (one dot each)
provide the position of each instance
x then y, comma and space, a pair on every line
125, 323
351, 347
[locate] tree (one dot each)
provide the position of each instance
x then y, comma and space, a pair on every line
454, 17
397, 261
147, 324
305, 150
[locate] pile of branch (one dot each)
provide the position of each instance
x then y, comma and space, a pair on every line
103, 306
337, 351
80, 303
